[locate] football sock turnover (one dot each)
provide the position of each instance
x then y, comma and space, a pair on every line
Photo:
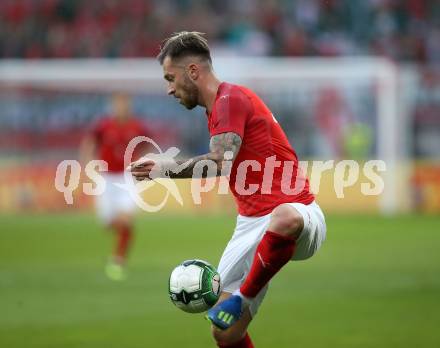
273, 252
123, 238
245, 342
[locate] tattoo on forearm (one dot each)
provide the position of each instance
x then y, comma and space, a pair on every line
219, 144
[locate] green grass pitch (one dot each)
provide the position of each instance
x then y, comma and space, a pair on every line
375, 283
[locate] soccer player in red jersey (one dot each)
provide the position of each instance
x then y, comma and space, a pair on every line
278, 219
108, 140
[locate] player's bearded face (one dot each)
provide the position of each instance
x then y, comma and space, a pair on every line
188, 93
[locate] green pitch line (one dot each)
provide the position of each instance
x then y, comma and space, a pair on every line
375, 283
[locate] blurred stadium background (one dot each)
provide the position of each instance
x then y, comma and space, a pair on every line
347, 79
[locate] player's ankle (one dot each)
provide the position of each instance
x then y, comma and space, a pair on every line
246, 300
118, 260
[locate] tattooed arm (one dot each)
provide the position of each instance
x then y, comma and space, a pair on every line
220, 144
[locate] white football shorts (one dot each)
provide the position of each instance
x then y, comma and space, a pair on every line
114, 200
237, 258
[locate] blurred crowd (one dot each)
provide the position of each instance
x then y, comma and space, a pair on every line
404, 30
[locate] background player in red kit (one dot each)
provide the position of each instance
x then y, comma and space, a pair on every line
108, 141
276, 223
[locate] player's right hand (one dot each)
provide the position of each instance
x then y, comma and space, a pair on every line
145, 168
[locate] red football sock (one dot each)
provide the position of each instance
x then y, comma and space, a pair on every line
273, 252
244, 343
123, 238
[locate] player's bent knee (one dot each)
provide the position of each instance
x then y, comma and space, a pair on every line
227, 337
286, 220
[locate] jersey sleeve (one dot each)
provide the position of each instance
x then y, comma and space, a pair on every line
232, 112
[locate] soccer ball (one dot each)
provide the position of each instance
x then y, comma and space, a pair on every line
194, 286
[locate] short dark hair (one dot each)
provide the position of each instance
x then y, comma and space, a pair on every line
183, 44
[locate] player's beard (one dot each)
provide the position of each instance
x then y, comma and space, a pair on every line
190, 95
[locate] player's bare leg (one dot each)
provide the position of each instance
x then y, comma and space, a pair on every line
273, 252
122, 226
236, 336
287, 221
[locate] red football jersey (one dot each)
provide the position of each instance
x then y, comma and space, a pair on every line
256, 180
112, 138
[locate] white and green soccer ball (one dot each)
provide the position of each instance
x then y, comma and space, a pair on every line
194, 286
